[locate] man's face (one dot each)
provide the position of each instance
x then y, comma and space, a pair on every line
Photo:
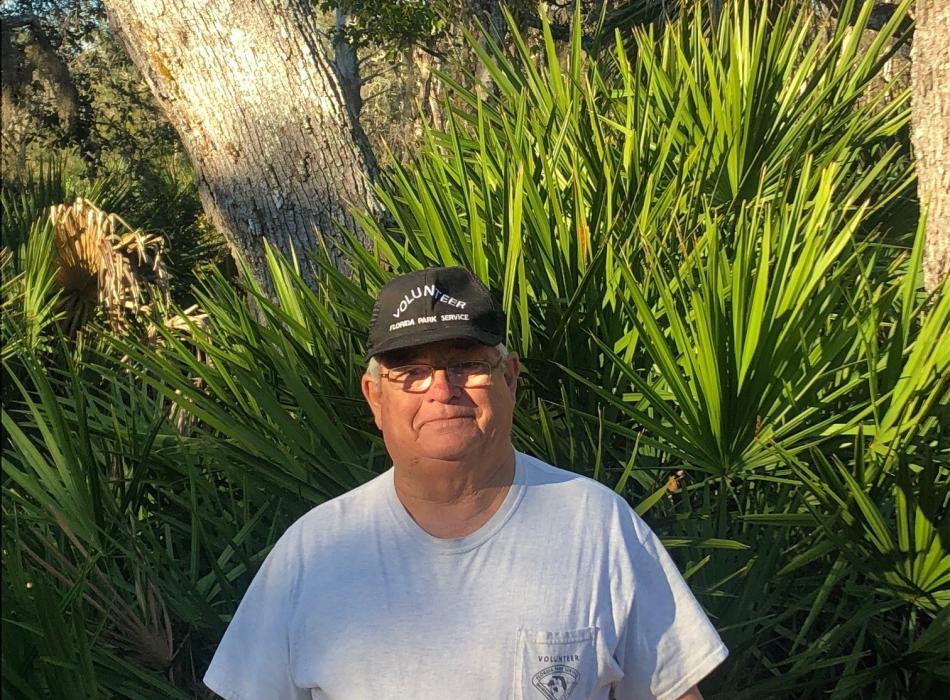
445, 422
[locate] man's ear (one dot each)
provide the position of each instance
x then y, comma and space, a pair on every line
512, 370
372, 390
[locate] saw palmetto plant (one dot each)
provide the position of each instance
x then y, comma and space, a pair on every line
706, 242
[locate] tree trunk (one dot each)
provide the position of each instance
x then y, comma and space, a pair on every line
347, 66
251, 91
428, 97
930, 85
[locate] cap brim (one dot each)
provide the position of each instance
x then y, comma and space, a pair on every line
434, 335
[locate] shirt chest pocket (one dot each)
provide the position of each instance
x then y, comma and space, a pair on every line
563, 665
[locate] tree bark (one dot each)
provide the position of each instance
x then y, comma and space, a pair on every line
250, 89
930, 85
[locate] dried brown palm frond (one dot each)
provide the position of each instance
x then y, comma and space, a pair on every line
103, 265
183, 323
5, 257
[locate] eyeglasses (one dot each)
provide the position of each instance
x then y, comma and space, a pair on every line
415, 379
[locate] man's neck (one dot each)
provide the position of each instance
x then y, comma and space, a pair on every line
453, 499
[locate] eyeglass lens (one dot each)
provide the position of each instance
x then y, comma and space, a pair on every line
418, 378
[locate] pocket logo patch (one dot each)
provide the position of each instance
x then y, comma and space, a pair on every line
556, 682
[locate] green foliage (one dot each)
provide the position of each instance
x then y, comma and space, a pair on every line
25, 204
284, 378
394, 25
165, 202
28, 297
710, 272
63, 56
91, 501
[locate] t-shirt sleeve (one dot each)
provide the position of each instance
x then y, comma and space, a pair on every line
253, 659
667, 644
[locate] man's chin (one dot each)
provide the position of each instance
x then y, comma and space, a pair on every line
447, 445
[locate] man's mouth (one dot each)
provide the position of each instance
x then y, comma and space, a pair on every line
447, 419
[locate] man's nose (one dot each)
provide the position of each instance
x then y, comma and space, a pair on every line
441, 389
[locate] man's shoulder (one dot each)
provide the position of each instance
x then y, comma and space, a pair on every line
551, 482
595, 513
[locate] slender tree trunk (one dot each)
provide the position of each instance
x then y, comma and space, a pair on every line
13, 76
347, 66
930, 84
37, 60
251, 91
427, 88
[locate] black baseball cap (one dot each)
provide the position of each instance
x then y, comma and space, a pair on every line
438, 303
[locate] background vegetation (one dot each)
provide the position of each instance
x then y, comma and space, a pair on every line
706, 239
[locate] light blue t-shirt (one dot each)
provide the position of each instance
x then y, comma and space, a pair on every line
564, 594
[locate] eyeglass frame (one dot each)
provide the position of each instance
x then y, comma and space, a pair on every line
492, 366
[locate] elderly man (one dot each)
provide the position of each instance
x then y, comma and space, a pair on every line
467, 570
